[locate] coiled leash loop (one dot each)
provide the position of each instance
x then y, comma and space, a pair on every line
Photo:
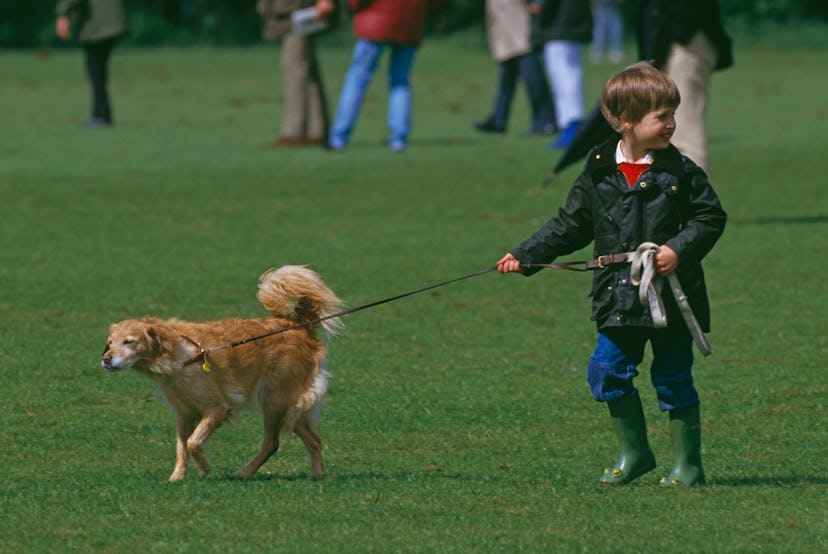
643, 274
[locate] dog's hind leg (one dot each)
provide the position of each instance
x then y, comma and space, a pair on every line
307, 429
270, 442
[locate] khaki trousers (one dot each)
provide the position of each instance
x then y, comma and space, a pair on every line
304, 106
691, 67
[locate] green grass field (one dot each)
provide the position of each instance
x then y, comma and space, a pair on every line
458, 420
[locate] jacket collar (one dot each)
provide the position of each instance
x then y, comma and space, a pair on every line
602, 158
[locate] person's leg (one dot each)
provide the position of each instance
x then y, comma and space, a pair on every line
399, 95
507, 71
600, 31
615, 32
540, 98
565, 72
611, 371
671, 374
691, 68
363, 64
318, 117
97, 56
295, 69
671, 369
613, 366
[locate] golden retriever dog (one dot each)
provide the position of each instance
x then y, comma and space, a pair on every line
282, 375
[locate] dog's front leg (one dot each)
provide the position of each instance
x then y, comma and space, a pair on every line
183, 430
194, 445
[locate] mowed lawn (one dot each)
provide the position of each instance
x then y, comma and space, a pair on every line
458, 420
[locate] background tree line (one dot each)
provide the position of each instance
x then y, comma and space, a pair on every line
29, 23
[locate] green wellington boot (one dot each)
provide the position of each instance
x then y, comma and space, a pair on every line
636, 457
685, 428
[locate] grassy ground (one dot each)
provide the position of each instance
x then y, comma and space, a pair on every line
458, 420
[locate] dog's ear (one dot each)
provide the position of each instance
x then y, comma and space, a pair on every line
159, 340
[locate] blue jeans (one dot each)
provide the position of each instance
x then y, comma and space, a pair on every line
620, 350
363, 64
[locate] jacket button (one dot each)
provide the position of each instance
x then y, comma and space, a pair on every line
674, 188
609, 287
643, 184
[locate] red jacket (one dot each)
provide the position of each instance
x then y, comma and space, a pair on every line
392, 21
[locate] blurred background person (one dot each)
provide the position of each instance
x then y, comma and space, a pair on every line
507, 25
305, 118
97, 25
686, 39
607, 31
398, 25
562, 27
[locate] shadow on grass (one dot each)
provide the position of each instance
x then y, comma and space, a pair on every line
770, 481
783, 220
344, 478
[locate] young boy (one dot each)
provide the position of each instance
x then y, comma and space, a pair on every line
638, 188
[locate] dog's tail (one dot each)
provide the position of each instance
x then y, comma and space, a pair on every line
299, 294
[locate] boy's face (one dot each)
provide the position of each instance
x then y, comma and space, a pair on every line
655, 129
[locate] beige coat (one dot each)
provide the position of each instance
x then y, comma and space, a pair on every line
507, 23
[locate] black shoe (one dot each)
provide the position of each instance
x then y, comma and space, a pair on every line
488, 126
96, 123
548, 129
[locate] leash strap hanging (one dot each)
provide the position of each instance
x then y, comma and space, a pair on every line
642, 274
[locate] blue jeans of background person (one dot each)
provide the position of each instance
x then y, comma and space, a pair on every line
620, 350
607, 31
363, 64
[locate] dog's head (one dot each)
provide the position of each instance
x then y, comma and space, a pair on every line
134, 343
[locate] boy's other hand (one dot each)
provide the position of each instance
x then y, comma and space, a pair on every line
509, 264
666, 260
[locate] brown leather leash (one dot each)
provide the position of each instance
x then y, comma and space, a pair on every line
600, 262
203, 352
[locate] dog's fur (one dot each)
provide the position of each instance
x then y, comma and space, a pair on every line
282, 375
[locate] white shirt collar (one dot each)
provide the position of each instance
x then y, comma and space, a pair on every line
621, 158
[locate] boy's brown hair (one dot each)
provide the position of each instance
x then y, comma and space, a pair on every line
632, 93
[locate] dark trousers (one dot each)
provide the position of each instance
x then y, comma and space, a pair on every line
97, 71
529, 68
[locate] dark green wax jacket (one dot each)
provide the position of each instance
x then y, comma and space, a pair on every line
672, 203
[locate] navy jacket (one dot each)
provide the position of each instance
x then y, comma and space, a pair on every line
672, 203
